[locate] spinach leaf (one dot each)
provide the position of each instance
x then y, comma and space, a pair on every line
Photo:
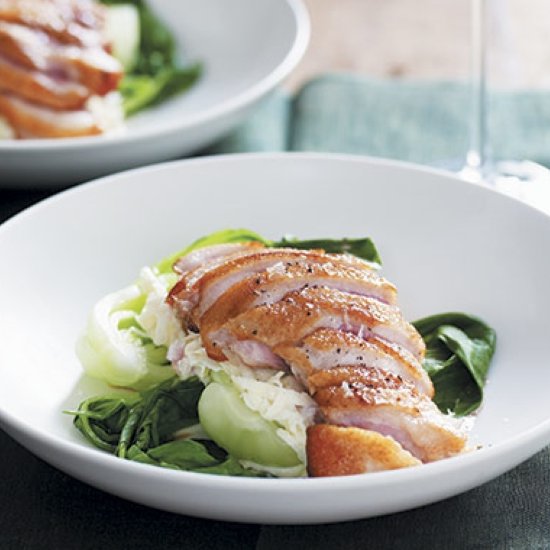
141, 91
363, 248
161, 411
141, 427
230, 467
192, 456
181, 454
459, 349
114, 423
102, 419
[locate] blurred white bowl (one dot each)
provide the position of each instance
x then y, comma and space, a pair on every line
247, 47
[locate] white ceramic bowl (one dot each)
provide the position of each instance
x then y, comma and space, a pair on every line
447, 244
247, 47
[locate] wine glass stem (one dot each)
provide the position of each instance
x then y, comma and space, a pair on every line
477, 156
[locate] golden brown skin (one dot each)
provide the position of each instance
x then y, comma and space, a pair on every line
327, 348
28, 122
364, 397
77, 22
199, 289
271, 286
301, 313
53, 60
32, 50
335, 324
338, 451
41, 89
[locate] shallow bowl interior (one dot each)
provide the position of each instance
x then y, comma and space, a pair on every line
446, 244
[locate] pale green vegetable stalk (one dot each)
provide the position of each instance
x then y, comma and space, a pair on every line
117, 348
122, 28
242, 432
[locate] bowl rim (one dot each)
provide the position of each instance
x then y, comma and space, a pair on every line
242, 100
536, 437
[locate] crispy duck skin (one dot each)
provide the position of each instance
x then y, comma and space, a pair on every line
367, 398
300, 313
198, 290
54, 68
342, 451
185, 294
30, 120
40, 88
208, 254
216, 282
327, 348
334, 323
32, 50
272, 285
79, 22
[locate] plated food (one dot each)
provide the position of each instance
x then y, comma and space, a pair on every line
62, 64
466, 257
230, 88
290, 356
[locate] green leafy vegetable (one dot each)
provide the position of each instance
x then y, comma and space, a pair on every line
141, 91
363, 248
141, 427
155, 75
147, 419
102, 419
459, 349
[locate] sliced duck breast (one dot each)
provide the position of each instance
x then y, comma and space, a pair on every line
31, 120
67, 21
204, 257
41, 88
375, 400
299, 314
273, 284
327, 348
342, 451
33, 50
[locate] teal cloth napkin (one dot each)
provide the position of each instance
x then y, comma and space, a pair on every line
425, 123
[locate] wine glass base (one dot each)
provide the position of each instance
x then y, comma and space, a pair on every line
525, 180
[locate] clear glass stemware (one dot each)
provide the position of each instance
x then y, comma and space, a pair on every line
523, 179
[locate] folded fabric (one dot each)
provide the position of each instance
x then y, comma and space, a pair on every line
425, 122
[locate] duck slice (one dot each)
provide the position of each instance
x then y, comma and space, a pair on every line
34, 50
273, 284
342, 451
299, 314
379, 401
204, 256
29, 120
41, 88
79, 22
185, 294
327, 348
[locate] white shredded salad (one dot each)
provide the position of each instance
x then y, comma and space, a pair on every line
156, 317
275, 395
